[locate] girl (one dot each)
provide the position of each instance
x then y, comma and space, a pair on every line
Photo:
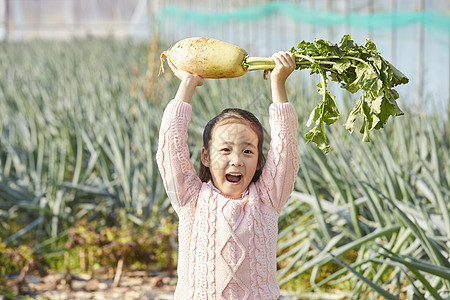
228, 217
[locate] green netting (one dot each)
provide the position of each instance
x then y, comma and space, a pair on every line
429, 19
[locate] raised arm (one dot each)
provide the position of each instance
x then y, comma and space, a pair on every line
281, 167
179, 176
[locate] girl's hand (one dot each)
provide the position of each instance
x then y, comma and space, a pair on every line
284, 66
188, 83
187, 77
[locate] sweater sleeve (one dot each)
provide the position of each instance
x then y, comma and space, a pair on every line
179, 176
280, 170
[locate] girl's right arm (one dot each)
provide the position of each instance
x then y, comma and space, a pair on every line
179, 176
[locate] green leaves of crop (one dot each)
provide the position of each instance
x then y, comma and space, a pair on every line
325, 112
355, 68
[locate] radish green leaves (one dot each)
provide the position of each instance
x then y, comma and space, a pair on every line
355, 68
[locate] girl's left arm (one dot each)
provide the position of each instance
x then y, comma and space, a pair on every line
279, 173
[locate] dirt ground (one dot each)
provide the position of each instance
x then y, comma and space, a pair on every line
133, 285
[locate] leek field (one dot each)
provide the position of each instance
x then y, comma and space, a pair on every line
80, 190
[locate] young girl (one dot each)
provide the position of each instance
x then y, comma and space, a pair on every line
228, 217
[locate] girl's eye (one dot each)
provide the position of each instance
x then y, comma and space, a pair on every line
224, 150
248, 151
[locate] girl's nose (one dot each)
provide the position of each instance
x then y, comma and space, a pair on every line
236, 161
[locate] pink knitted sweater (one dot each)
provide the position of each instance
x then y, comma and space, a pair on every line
227, 246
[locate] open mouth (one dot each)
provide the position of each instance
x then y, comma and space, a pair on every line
233, 177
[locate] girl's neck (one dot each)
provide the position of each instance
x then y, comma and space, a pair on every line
244, 193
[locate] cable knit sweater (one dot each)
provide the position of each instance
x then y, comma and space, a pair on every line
227, 246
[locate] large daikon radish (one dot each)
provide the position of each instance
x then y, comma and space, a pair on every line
207, 57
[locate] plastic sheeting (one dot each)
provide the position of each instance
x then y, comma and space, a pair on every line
379, 20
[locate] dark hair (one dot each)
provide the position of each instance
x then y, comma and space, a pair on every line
233, 114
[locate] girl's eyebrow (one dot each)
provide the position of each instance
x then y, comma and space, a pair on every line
231, 143
249, 144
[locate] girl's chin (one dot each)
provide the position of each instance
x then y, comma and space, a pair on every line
233, 191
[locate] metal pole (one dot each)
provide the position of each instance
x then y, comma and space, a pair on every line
330, 28
7, 20
311, 85
346, 13
313, 27
393, 33
421, 53
371, 10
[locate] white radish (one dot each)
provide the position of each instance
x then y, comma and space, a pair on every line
207, 57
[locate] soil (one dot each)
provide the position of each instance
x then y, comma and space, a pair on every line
133, 285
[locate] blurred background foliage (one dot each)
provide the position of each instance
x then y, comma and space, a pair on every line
80, 190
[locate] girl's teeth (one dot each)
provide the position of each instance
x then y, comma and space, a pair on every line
232, 177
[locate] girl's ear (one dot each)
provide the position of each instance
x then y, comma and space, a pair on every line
205, 157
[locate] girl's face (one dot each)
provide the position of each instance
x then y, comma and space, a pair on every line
232, 157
